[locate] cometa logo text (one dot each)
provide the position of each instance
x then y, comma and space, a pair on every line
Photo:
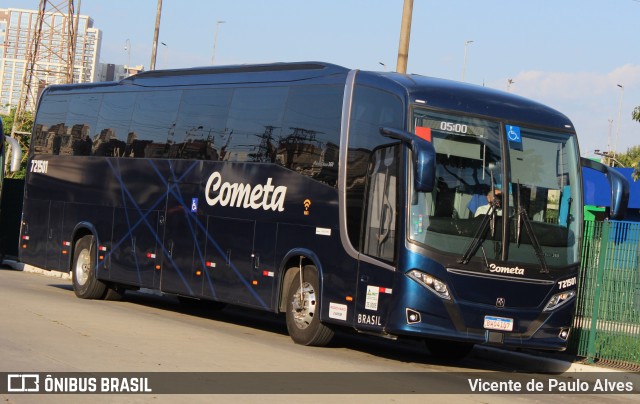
244, 196
506, 270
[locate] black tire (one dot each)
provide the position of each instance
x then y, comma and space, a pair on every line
303, 315
448, 350
83, 270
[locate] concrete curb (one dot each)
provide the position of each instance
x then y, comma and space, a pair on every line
28, 268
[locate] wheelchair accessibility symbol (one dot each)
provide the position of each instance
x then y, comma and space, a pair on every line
513, 133
194, 205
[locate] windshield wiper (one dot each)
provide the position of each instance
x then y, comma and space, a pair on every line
488, 222
523, 218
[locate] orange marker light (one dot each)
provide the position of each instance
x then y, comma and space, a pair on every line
254, 282
349, 298
158, 267
198, 273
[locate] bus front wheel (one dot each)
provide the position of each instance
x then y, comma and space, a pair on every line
303, 310
83, 270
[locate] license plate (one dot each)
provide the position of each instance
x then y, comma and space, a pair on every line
498, 323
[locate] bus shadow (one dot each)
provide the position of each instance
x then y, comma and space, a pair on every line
402, 350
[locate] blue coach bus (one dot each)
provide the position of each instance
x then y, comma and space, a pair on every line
396, 205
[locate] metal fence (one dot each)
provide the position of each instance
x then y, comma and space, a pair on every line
606, 328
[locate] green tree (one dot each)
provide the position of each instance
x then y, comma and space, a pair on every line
23, 136
630, 158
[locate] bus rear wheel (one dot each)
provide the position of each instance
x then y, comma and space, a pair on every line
303, 310
83, 270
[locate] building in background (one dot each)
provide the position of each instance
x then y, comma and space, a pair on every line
17, 28
112, 72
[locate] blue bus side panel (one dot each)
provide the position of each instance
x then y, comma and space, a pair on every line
156, 230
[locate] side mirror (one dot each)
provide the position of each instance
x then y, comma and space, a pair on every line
424, 157
619, 187
16, 154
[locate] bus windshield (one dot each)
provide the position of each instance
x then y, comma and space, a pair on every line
538, 189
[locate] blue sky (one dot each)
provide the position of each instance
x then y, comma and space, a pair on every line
568, 54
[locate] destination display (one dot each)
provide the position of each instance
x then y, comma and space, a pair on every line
456, 128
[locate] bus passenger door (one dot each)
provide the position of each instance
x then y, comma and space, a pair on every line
376, 269
182, 272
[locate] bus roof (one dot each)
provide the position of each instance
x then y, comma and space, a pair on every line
478, 100
431, 92
259, 73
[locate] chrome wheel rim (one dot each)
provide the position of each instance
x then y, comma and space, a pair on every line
304, 306
83, 266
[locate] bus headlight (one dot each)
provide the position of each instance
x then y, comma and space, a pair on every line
432, 283
559, 299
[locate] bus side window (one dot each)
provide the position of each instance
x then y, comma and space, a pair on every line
50, 124
381, 203
153, 124
254, 124
113, 124
311, 132
82, 119
200, 129
372, 108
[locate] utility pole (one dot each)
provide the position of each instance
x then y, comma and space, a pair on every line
615, 147
405, 34
74, 38
608, 152
50, 55
156, 32
464, 64
215, 40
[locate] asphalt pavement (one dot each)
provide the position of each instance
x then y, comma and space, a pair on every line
542, 362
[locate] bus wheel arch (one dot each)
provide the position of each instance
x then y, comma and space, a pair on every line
81, 230
303, 303
290, 267
108, 291
86, 285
